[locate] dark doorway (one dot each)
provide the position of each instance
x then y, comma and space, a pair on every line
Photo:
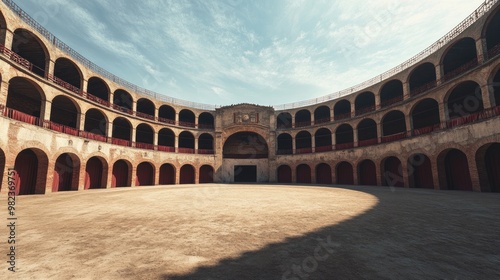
245, 173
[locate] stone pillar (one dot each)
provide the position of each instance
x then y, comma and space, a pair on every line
474, 174
487, 96
155, 139
443, 112
47, 108
133, 175
9, 38
176, 143
4, 92
196, 140
177, 118
332, 118
353, 109
50, 67
133, 135
156, 113
355, 136
196, 119
404, 173
313, 143
134, 106
481, 50
312, 118
81, 122
439, 74
294, 148
406, 90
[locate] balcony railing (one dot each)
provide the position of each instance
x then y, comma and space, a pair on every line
284, 152
144, 115
461, 69
206, 151
344, 146
342, 116
146, 146
423, 88
323, 149
166, 149
185, 150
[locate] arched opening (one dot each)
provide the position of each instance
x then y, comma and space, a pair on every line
302, 118
303, 142
145, 174
461, 57
285, 144
420, 171
186, 142
342, 110
2, 154
67, 71
245, 145
187, 174
166, 114
344, 137
393, 126
488, 166
455, 168
206, 174
321, 115
98, 88
367, 133
425, 116
323, 140
392, 172
121, 174
145, 109
167, 174
205, 144
422, 78
24, 101
491, 34
323, 174
364, 103
464, 99
206, 121
31, 167
96, 123
29, 47
367, 173
345, 173
66, 173
284, 120
96, 173
186, 118
166, 140
122, 132
284, 174
65, 113
303, 174
391, 92
3, 29
123, 101
496, 89
144, 137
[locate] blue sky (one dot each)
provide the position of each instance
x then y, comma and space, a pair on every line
265, 52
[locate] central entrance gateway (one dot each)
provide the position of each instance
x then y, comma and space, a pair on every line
245, 173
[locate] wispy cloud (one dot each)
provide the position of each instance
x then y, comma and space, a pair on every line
266, 52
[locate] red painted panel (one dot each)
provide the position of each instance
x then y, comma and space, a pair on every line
187, 175
345, 174
145, 175
303, 174
120, 174
167, 175
26, 166
63, 174
206, 174
367, 173
284, 174
392, 173
422, 172
93, 174
493, 167
457, 171
323, 174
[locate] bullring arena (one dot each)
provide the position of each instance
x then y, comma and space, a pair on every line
397, 177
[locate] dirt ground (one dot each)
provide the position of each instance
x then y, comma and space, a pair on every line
255, 232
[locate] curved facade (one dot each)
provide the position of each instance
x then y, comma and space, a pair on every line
69, 125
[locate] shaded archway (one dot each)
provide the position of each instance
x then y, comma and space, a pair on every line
205, 144
145, 174
284, 120
96, 123
166, 140
3, 29
491, 35
488, 166
123, 101
367, 173
345, 173
29, 47
167, 174
187, 174
425, 116
144, 136
2, 158
24, 101
303, 142
303, 174
342, 110
122, 132
166, 114
186, 118
66, 173
496, 89
464, 99
453, 169
364, 103
206, 121
459, 58
145, 109
321, 115
121, 174
285, 144
392, 172
323, 174
67, 71
367, 133
98, 88
245, 145
391, 92
206, 174
31, 166
393, 126
422, 78
64, 112
302, 118
284, 174
323, 140
96, 173
186, 142
420, 171
344, 137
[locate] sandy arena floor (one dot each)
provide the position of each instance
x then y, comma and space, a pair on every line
255, 232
